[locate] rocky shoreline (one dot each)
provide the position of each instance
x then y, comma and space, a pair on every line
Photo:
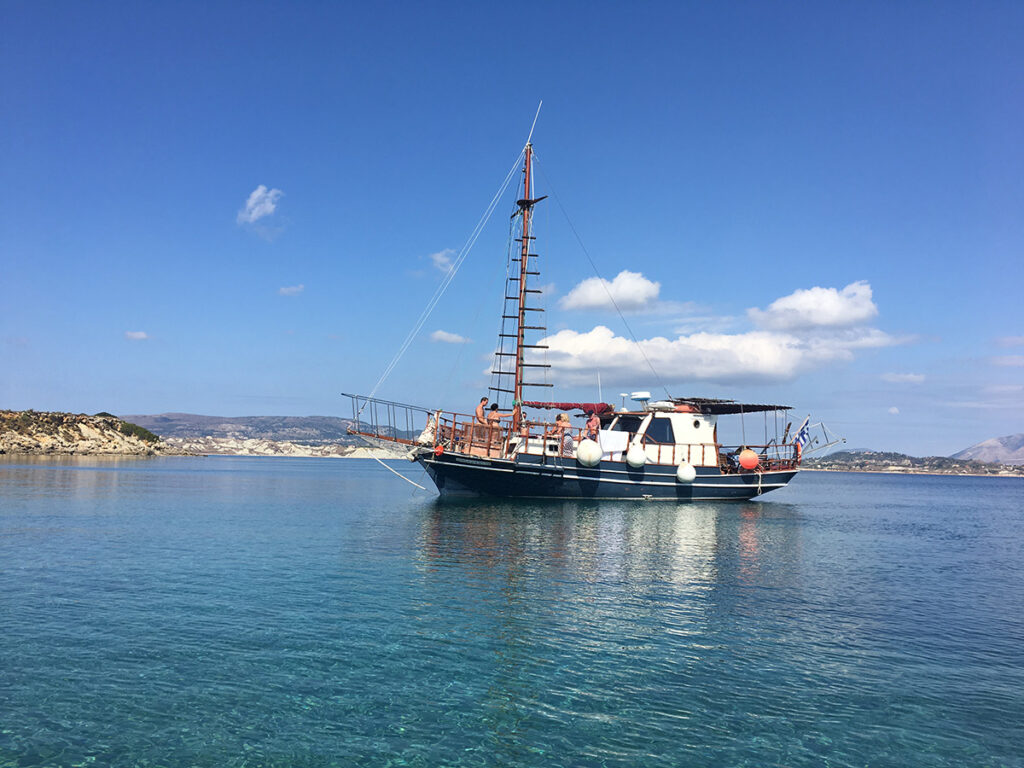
228, 446
48, 433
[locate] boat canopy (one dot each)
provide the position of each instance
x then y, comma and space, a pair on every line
712, 407
597, 408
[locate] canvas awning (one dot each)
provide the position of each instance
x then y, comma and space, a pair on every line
597, 408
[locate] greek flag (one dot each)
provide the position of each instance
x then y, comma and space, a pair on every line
803, 435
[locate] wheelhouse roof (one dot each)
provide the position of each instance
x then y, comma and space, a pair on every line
714, 407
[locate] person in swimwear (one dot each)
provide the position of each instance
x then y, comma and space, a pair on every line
561, 432
493, 417
480, 419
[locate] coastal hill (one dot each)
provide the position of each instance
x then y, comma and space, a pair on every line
885, 461
53, 433
1005, 450
42, 432
308, 430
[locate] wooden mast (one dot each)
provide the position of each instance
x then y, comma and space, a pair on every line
524, 260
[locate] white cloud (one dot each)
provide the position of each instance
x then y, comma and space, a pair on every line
1009, 361
1003, 389
763, 355
818, 307
630, 291
442, 260
894, 411
136, 335
1002, 397
695, 318
262, 202
291, 290
448, 338
1010, 341
903, 378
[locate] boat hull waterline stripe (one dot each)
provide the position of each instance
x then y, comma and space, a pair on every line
526, 470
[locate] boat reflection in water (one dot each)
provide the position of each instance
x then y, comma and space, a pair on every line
571, 616
686, 544
660, 568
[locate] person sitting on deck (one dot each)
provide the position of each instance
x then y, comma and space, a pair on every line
494, 434
593, 426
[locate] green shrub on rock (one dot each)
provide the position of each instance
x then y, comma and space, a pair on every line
134, 430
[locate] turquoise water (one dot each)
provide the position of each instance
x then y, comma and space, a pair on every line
293, 612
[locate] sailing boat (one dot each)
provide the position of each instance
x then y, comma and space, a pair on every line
656, 449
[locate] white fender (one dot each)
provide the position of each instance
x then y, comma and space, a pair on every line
686, 473
588, 453
636, 457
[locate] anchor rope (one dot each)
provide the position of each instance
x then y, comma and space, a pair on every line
391, 469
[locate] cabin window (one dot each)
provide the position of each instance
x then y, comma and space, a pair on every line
696, 423
627, 424
660, 431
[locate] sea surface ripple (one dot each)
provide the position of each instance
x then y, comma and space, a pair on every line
309, 612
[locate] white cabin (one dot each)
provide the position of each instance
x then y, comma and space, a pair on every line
668, 437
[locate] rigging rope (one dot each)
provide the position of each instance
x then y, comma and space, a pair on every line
604, 283
497, 370
446, 281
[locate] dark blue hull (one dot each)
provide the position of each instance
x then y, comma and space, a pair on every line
564, 478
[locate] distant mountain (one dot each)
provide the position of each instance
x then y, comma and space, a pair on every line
307, 430
887, 461
1003, 450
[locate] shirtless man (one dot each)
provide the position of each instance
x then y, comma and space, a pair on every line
480, 418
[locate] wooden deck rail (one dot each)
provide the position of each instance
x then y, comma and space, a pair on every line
460, 432
396, 422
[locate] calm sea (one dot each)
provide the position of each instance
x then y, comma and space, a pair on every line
312, 612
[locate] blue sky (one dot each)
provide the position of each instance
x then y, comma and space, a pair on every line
816, 204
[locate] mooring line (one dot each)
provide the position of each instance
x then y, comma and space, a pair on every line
390, 469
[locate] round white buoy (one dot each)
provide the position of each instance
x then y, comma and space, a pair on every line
686, 472
635, 456
588, 453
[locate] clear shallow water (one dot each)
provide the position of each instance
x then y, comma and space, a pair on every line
292, 612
